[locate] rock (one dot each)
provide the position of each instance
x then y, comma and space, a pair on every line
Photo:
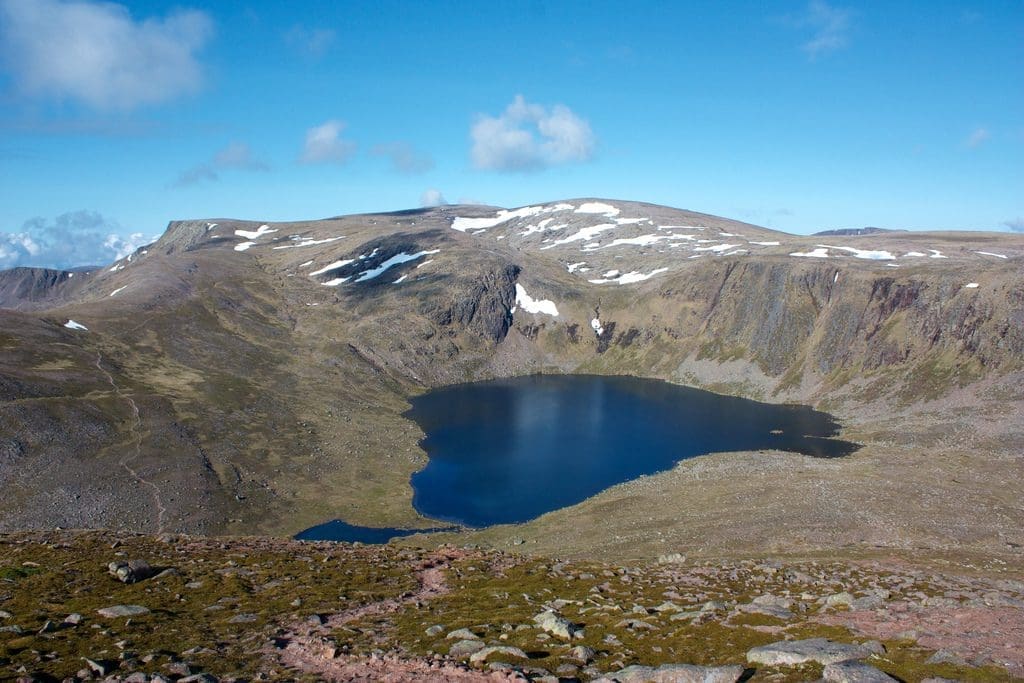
635, 625
767, 610
855, 672
677, 673
462, 634
843, 599
464, 648
867, 602
5, 615
482, 655
557, 625
243, 619
98, 666
131, 571
137, 677
821, 650
672, 558
434, 630
582, 654
946, 657
73, 619
122, 611
13, 628
199, 678
769, 600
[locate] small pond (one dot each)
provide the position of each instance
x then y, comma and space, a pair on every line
510, 450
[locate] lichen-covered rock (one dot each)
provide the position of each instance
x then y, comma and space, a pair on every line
821, 650
122, 611
558, 625
483, 654
676, 673
855, 672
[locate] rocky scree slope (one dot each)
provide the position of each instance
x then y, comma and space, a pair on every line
81, 606
240, 376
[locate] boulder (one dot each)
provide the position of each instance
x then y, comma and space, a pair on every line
676, 673
582, 654
462, 634
122, 611
855, 672
131, 571
464, 648
821, 650
557, 625
483, 654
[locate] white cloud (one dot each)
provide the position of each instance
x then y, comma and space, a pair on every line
324, 144
404, 157
97, 53
312, 42
432, 197
237, 155
530, 137
1015, 224
830, 26
977, 138
72, 239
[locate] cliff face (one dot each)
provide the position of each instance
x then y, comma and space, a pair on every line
35, 288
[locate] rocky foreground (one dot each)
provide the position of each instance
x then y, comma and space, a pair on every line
78, 606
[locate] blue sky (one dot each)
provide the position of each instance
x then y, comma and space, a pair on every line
802, 116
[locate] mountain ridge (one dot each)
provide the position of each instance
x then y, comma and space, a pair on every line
270, 364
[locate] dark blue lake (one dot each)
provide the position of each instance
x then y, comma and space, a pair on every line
510, 450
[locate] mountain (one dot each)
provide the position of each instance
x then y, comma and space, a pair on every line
853, 231
240, 377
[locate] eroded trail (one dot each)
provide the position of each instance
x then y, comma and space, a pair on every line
309, 647
135, 438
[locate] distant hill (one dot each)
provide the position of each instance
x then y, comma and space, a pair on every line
855, 231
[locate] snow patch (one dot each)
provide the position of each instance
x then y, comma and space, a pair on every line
598, 207
913, 253
628, 278
820, 252
335, 282
864, 253
400, 280
531, 305
118, 290
393, 261
766, 244
503, 216
989, 253
72, 325
306, 242
255, 234
332, 266
718, 248
307, 263
584, 234
595, 324
573, 266
971, 285
936, 254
